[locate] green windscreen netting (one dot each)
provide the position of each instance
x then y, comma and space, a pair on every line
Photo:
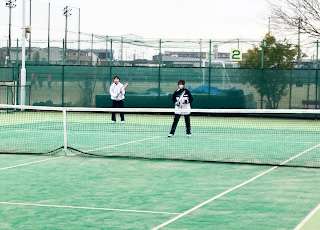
213, 88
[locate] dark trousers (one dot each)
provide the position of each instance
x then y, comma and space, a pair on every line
176, 120
117, 104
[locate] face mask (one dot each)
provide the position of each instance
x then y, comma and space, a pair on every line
181, 86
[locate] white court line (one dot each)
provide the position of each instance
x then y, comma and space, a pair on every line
32, 129
101, 134
44, 132
261, 140
231, 189
308, 217
89, 208
131, 142
272, 141
33, 162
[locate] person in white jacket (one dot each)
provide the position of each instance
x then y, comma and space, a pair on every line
117, 93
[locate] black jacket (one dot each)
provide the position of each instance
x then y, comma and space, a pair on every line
187, 96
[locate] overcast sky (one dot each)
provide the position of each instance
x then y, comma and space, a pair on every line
179, 19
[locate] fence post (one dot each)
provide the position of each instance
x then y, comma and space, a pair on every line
160, 62
210, 65
121, 54
110, 64
290, 89
317, 74
262, 72
106, 50
308, 89
91, 49
49, 34
16, 76
104, 81
62, 78
200, 57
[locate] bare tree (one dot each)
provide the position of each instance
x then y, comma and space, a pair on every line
296, 15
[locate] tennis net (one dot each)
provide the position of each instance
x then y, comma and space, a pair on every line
266, 137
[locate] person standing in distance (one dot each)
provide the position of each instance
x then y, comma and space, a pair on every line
182, 98
117, 93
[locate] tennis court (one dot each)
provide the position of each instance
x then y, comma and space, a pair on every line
64, 190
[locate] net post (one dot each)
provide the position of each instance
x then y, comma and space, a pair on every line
65, 137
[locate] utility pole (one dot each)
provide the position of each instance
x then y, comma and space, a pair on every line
11, 4
66, 13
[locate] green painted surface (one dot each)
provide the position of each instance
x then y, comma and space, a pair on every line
313, 223
278, 200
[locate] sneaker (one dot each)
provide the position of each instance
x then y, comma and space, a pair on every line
113, 122
170, 135
123, 122
188, 135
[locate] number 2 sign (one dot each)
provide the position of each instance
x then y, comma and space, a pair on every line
236, 55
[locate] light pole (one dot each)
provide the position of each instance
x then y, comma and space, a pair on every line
7, 45
66, 13
23, 57
11, 4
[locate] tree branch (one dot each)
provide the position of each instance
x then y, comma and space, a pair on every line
290, 15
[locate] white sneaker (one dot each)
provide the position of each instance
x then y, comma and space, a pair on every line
170, 135
113, 122
122, 122
188, 135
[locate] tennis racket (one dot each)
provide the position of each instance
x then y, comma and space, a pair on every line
123, 87
179, 102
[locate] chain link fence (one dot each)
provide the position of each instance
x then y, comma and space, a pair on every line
79, 73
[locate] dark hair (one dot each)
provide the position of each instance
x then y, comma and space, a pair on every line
116, 77
182, 82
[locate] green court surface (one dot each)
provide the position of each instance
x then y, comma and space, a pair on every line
68, 191
72, 192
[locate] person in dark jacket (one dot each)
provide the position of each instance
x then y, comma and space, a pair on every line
182, 99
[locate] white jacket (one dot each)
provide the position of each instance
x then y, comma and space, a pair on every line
115, 90
184, 107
